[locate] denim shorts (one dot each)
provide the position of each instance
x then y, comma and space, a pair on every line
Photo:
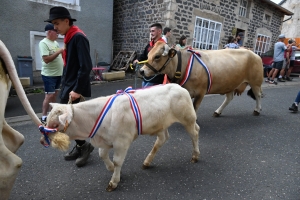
51, 83
278, 65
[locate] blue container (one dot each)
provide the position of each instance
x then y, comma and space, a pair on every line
25, 67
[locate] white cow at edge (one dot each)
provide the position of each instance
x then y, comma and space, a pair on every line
10, 139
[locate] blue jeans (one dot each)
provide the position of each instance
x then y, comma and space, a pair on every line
298, 97
51, 83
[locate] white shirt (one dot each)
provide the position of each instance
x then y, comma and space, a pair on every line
165, 38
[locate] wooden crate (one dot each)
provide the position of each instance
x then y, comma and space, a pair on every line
110, 76
122, 61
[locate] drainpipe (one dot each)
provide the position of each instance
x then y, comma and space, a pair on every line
288, 19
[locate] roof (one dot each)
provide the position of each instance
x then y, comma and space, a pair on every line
282, 9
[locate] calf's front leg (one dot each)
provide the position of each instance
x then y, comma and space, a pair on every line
103, 153
121, 147
162, 137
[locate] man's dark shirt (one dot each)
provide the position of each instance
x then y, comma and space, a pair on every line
76, 74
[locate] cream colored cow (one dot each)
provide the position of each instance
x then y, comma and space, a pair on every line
227, 72
10, 139
159, 107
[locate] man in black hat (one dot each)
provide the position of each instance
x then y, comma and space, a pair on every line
76, 72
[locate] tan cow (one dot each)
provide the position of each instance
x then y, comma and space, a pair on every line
159, 106
228, 72
10, 139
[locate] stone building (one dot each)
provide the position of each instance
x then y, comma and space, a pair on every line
291, 26
206, 23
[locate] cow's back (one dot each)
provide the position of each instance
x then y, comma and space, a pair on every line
228, 69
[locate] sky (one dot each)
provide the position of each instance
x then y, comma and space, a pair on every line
276, 1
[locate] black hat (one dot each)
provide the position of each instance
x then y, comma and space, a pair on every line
59, 12
49, 27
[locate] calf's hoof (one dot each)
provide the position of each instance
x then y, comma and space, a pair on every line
255, 113
194, 160
145, 166
110, 187
216, 114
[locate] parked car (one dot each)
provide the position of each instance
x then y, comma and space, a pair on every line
267, 59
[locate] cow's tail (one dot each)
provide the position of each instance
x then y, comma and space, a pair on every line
251, 94
13, 75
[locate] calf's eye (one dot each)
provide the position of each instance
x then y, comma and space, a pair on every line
157, 57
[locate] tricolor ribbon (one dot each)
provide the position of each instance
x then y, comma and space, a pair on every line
107, 106
45, 131
190, 67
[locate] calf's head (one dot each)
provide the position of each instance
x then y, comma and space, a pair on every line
158, 58
60, 117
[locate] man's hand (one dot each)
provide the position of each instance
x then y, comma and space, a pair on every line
73, 95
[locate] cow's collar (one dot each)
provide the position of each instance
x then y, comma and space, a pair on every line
177, 75
67, 123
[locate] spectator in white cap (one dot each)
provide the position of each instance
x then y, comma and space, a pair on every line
278, 58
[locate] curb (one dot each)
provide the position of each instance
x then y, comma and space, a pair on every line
19, 119
26, 118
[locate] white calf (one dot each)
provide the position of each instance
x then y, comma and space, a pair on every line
158, 107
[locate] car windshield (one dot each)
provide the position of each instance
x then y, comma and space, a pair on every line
269, 53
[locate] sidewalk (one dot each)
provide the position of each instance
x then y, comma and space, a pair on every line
99, 88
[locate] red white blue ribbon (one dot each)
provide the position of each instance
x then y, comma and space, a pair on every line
107, 106
45, 131
189, 69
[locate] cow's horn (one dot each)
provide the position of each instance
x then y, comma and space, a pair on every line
166, 51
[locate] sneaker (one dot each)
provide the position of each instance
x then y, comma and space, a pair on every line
267, 80
273, 82
85, 151
44, 121
280, 80
74, 154
294, 108
289, 79
284, 78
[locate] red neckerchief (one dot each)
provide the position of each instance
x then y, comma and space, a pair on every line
152, 43
71, 32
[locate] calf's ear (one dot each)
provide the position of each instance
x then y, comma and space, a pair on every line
66, 117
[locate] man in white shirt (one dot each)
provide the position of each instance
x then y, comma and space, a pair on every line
167, 34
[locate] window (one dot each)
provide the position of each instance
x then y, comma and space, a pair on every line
267, 18
206, 34
243, 8
69, 4
262, 44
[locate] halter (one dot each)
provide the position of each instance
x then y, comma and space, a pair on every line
46, 131
172, 52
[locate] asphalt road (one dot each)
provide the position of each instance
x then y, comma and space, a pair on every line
242, 157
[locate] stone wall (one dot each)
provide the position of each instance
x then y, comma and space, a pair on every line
132, 19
